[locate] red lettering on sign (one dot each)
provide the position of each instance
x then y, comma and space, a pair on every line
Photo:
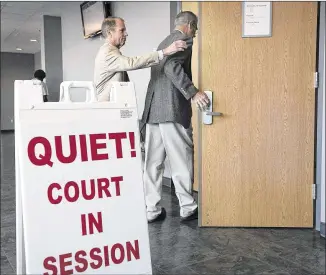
97, 142
73, 195
44, 159
49, 264
103, 187
98, 257
106, 255
118, 145
80, 259
117, 180
50, 193
64, 264
118, 253
132, 144
91, 195
72, 191
83, 147
94, 254
59, 150
96, 146
134, 250
92, 223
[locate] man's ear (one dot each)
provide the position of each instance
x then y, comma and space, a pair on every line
108, 33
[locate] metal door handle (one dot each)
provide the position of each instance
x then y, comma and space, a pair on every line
214, 114
207, 115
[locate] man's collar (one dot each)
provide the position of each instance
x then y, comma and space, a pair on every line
108, 43
177, 30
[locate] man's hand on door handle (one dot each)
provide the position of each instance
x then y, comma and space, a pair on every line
201, 100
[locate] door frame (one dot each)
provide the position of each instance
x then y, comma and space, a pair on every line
199, 121
320, 103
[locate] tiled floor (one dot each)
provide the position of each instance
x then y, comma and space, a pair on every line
187, 249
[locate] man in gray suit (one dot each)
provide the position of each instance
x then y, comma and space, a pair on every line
167, 115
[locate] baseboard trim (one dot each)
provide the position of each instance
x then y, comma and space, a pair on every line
322, 229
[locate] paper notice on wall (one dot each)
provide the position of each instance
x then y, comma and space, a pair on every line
256, 19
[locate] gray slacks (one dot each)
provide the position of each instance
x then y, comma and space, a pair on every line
174, 141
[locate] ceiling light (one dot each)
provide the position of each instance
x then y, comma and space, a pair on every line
33, 40
19, 49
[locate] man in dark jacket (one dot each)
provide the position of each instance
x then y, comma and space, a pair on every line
167, 115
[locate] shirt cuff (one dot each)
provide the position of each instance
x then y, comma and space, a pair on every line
160, 55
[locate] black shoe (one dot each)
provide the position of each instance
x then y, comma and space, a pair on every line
160, 217
193, 216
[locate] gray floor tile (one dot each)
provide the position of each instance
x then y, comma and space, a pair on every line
231, 263
289, 271
184, 270
177, 251
157, 271
6, 268
8, 241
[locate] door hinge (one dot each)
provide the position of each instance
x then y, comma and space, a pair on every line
314, 191
316, 81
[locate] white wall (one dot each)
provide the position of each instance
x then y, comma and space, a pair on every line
37, 61
148, 23
78, 54
13, 66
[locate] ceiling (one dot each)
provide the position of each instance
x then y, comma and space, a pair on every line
21, 22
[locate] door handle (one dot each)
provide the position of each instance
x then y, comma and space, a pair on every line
207, 115
214, 113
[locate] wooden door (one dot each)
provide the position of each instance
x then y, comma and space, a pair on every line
256, 163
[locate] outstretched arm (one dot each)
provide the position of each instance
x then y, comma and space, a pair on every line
119, 62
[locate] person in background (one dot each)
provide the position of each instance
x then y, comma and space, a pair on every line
111, 65
40, 75
167, 115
